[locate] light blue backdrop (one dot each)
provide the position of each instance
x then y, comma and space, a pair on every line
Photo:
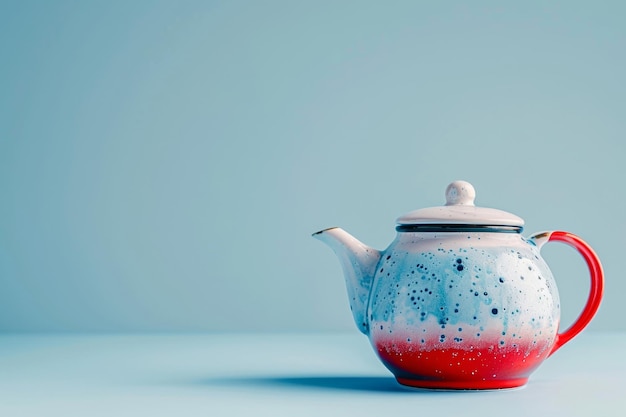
163, 164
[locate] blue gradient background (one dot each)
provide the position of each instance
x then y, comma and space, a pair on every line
163, 164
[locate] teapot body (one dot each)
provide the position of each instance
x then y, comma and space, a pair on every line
460, 299
462, 310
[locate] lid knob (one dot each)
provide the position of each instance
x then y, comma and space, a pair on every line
460, 193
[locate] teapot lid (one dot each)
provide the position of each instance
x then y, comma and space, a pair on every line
460, 212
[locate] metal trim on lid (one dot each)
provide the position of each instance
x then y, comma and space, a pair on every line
459, 228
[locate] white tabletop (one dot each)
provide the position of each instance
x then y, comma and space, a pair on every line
279, 375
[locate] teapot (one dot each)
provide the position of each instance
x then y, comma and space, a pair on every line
460, 299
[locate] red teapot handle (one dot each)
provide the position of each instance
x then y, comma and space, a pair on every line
597, 281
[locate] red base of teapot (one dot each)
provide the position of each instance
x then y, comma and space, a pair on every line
463, 385
446, 366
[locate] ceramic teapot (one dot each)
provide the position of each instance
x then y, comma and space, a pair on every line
460, 299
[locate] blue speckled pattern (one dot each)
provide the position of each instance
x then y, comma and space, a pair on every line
467, 290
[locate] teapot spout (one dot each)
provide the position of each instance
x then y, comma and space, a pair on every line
358, 262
